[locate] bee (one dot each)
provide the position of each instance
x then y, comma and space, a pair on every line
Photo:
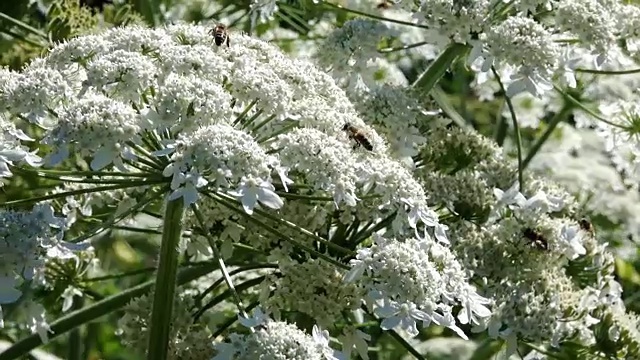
587, 226
538, 241
384, 5
357, 135
220, 34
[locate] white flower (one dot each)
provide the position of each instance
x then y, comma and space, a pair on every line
322, 338
12, 150
354, 338
571, 238
473, 310
414, 278
510, 197
257, 318
252, 191
276, 340
403, 316
543, 203
68, 295
593, 21
37, 321
454, 20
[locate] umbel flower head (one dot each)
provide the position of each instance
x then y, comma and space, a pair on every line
252, 141
276, 340
244, 121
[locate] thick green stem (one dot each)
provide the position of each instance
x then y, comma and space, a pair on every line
161, 315
75, 336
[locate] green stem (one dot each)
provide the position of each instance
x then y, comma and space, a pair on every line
154, 177
579, 104
161, 315
232, 206
406, 345
231, 321
221, 297
501, 127
23, 38
62, 173
95, 311
121, 275
403, 47
75, 336
516, 128
557, 119
239, 270
145, 200
295, 227
244, 113
303, 197
80, 192
23, 25
260, 125
608, 72
430, 77
218, 257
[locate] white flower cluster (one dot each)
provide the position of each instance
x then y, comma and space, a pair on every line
276, 340
212, 110
314, 288
351, 49
416, 281
554, 266
395, 112
27, 241
12, 151
548, 32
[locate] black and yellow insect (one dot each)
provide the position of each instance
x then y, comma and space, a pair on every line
220, 34
538, 241
358, 135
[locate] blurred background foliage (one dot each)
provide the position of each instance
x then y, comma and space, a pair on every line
29, 27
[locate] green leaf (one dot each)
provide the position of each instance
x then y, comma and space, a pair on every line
149, 9
440, 97
626, 271
430, 77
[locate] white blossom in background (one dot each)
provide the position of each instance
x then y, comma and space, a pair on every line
262, 11
454, 20
349, 51
593, 21
579, 161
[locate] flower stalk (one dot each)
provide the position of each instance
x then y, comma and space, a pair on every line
166, 279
